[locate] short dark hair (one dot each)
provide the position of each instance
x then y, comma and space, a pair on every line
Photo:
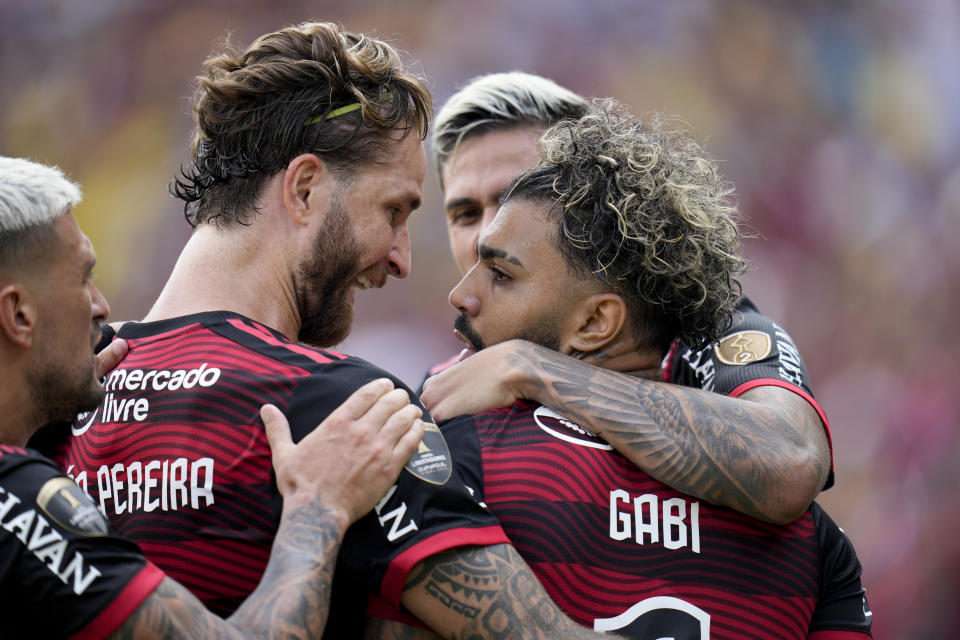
257, 109
643, 210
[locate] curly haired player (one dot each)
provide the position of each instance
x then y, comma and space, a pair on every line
625, 234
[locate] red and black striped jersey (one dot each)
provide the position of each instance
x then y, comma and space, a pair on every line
63, 572
619, 551
177, 458
754, 352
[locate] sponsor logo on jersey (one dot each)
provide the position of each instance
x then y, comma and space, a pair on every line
566, 430
743, 347
132, 409
83, 421
66, 504
117, 408
46, 543
659, 617
431, 461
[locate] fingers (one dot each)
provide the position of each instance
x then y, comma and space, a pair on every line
409, 441
399, 423
363, 399
277, 428
389, 404
110, 357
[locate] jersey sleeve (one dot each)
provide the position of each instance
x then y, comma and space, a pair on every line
754, 352
64, 571
842, 610
427, 511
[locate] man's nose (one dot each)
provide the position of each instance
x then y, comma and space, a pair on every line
461, 297
399, 259
100, 307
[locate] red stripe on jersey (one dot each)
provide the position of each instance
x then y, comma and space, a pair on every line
4, 448
132, 342
773, 382
123, 606
396, 574
269, 338
837, 634
666, 365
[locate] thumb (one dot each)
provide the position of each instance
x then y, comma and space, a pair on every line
277, 429
110, 357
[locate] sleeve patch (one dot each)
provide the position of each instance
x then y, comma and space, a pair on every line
66, 504
431, 461
743, 347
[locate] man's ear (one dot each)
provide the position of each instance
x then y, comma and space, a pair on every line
18, 316
306, 183
598, 320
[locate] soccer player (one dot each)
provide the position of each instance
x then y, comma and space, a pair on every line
759, 444
626, 234
63, 570
307, 162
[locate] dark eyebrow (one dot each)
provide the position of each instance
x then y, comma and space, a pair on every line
487, 252
459, 202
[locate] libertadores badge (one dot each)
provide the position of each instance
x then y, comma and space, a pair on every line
431, 461
67, 505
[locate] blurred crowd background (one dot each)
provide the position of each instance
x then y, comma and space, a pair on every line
838, 121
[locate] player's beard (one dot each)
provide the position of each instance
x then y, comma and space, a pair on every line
544, 332
59, 393
324, 279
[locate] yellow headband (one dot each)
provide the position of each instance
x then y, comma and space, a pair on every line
340, 111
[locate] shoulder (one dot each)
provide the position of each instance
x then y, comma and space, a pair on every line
18, 462
34, 482
754, 348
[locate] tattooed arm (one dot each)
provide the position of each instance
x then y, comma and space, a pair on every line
324, 492
764, 453
477, 593
291, 600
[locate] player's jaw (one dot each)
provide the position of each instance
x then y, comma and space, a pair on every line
545, 332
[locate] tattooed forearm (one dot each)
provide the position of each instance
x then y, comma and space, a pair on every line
291, 601
294, 593
766, 457
486, 592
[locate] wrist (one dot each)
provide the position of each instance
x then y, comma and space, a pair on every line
316, 507
521, 376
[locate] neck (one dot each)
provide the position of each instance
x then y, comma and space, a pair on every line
238, 269
625, 357
18, 419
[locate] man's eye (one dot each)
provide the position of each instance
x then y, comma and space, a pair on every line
498, 275
465, 217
